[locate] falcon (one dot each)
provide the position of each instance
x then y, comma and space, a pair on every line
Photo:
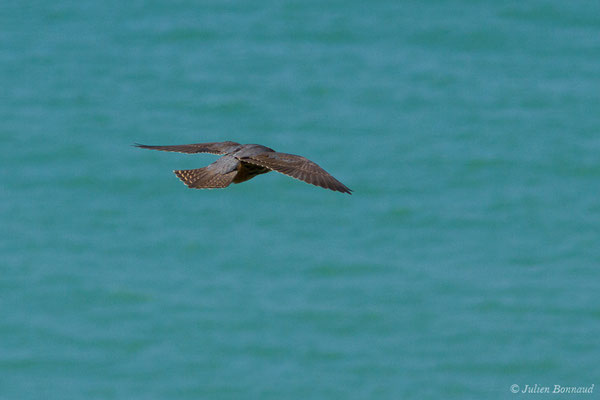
241, 162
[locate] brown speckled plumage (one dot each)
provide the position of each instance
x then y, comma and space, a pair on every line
240, 163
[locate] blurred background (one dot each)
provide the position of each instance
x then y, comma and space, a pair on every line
465, 261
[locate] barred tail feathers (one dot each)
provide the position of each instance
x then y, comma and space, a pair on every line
203, 178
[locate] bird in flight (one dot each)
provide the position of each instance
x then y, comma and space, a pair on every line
241, 162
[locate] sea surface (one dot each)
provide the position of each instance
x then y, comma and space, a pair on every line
465, 261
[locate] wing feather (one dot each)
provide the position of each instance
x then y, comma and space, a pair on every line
297, 167
213, 147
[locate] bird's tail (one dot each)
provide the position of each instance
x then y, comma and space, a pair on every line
204, 178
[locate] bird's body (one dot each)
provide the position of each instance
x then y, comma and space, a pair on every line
241, 162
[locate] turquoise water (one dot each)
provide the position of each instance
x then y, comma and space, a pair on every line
465, 261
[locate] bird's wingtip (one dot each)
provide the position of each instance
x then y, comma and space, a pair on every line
345, 189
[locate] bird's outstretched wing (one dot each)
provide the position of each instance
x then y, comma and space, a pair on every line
297, 167
214, 147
